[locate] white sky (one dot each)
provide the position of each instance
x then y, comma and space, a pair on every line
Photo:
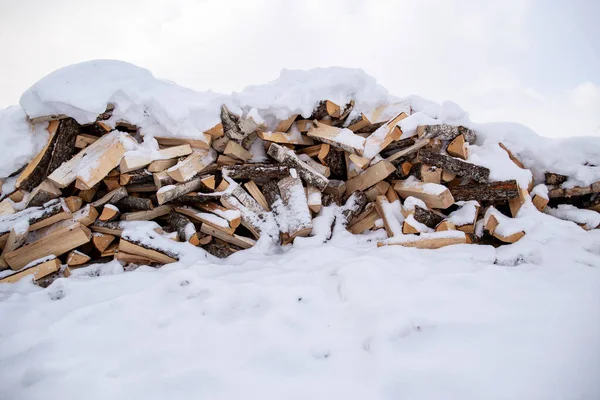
534, 62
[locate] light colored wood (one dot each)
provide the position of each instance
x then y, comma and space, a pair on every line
304, 125
208, 181
429, 242
135, 249
234, 150
331, 135
391, 194
161, 165
85, 216
45, 192
109, 213
88, 194
83, 140
511, 156
17, 196
75, 258
516, 203
491, 225
112, 228
369, 177
174, 152
539, 202
110, 251
186, 169
401, 153
257, 194
236, 240
223, 160
365, 222
284, 125
92, 164
323, 152
213, 220
445, 225
377, 190
383, 137
225, 213
294, 198
220, 144
458, 147
360, 162
203, 143
101, 241
359, 123
380, 205
16, 238
223, 185
314, 199
320, 168
448, 176
74, 203
408, 229
312, 151
111, 197
6, 207
129, 258
56, 243
419, 190
216, 131
168, 193
134, 162
286, 138
29, 169
431, 174
38, 271
146, 215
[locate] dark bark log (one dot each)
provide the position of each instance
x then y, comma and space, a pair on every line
446, 132
256, 171
495, 191
345, 113
219, 249
112, 197
184, 227
336, 162
194, 198
427, 217
372, 127
271, 192
354, 206
130, 203
230, 123
306, 172
42, 194
329, 198
575, 191
555, 179
336, 187
65, 143
397, 145
137, 177
454, 165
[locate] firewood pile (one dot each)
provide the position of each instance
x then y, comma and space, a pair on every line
75, 202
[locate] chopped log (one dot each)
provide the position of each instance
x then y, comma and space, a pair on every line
112, 197
146, 215
74, 203
380, 188
540, 202
216, 131
495, 191
38, 271
427, 217
311, 151
337, 189
446, 132
491, 225
6, 207
85, 216
173, 152
448, 176
37, 169
219, 248
433, 240
161, 256
256, 171
88, 194
16, 238
129, 258
231, 125
235, 150
396, 145
314, 199
203, 143
135, 177
42, 194
286, 138
354, 206
17, 196
304, 125
294, 198
206, 218
341, 138
65, 143
56, 243
555, 179
134, 162
383, 137
186, 169
284, 125
326, 108
223, 160
465, 217
76, 257
161, 165
370, 177
360, 162
233, 217
409, 150
109, 213
335, 160
83, 140
458, 148
186, 231
130, 203
434, 195
455, 166
364, 221
257, 194
237, 240
114, 228
359, 123
511, 156
306, 172
162, 179
111, 182
168, 193
34, 217
101, 241
516, 203
220, 144
320, 168
390, 213
91, 164
445, 225
408, 228
426, 173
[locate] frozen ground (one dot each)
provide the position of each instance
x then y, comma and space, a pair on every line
324, 323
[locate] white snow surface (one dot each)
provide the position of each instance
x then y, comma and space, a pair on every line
332, 316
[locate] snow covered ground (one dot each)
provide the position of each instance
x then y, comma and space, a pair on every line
341, 320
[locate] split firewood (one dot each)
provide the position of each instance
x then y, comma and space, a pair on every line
257, 194
380, 188
427, 217
445, 132
83, 140
112, 197
448, 176
516, 203
304, 125
458, 147
454, 165
313, 196
256, 171
370, 177
465, 217
403, 169
233, 217
220, 144
195, 198
335, 160
408, 150
324, 109
16, 238
434, 240
134, 162
56, 243
76, 258
6, 207
574, 191
383, 137
158, 255
285, 124
358, 123
237, 240
539, 197
85, 216
168, 193
186, 169
45, 192
391, 215
495, 191
341, 138
445, 225
161, 165
365, 220
511, 156
114, 228
499, 227
311, 151
101, 241
109, 213
397, 145
186, 231
162, 179
223, 160
287, 138
73, 203
216, 131
93, 163
206, 218
336, 188
234, 127
129, 258
130, 203
88, 194
203, 143
354, 206
111, 182
320, 168
220, 248
426, 173
146, 215
39, 271
434, 195
135, 177
294, 198
555, 179
306, 172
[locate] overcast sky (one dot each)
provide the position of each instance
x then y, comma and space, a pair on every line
534, 62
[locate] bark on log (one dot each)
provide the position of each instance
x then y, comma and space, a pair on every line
186, 231
427, 217
168, 193
555, 179
454, 165
354, 206
336, 162
289, 158
130, 203
495, 191
256, 171
219, 250
65, 143
446, 132
42, 194
137, 177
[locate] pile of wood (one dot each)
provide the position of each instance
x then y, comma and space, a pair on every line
74, 202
